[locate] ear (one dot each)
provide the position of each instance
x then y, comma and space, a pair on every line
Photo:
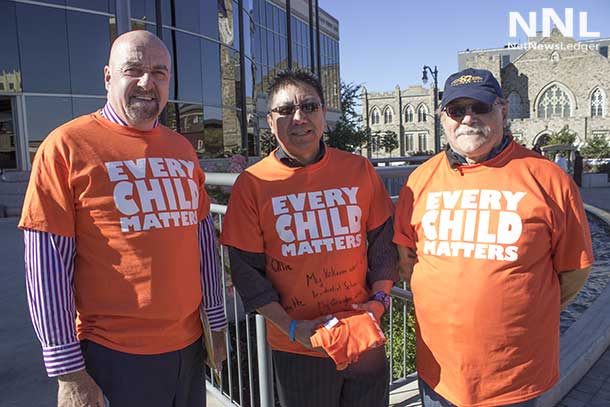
271, 123
505, 112
107, 77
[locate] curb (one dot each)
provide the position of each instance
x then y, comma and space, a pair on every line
584, 342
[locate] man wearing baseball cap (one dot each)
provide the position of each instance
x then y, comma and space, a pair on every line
494, 242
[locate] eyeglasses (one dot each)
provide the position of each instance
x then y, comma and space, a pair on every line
287, 110
459, 111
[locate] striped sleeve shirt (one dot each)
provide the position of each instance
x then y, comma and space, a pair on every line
49, 262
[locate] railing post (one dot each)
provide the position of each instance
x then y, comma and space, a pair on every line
265, 365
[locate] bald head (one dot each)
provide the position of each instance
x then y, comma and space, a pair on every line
138, 39
137, 78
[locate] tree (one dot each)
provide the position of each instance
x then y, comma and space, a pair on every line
563, 136
389, 141
596, 147
348, 134
267, 141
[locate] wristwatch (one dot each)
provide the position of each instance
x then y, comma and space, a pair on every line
383, 298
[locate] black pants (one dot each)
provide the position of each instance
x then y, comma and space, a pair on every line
173, 379
306, 381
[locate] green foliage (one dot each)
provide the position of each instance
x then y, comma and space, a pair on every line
348, 134
602, 168
402, 351
267, 141
347, 138
418, 153
389, 141
596, 147
563, 136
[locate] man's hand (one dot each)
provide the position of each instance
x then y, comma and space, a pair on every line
220, 348
406, 261
78, 389
304, 329
374, 307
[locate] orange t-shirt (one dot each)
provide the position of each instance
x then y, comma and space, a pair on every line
490, 239
132, 201
311, 224
347, 336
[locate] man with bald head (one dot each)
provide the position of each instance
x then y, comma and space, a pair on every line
121, 261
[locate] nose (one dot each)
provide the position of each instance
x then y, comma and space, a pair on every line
469, 117
298, 116
145, 81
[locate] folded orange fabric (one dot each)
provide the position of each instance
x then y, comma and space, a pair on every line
348, 335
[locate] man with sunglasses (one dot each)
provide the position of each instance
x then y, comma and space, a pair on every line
494, 242
309, 231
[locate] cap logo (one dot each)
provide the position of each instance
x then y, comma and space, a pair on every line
466, 79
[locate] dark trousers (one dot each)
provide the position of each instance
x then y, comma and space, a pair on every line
306, 381
430, 398
173, 379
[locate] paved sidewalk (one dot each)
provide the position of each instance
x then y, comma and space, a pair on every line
593, 390
23, 381
599, 197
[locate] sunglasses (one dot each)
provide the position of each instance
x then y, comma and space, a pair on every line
459, 111
287, 110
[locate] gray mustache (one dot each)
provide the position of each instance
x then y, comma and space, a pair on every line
479, 131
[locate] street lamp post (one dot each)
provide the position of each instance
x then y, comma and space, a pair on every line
424, 78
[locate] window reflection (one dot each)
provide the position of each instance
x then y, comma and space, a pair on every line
43, 114
235, 13
231, 129
187, 14
143, 10
211, 73
248, 34
87, 61
10, 73
60, 2
189, 121
169, 39
229, 66
82, 106
209, 18
225, 22
188, 67
106, 6
7, 135
213, 132
50, 48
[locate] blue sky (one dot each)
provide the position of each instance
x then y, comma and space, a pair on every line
386, 42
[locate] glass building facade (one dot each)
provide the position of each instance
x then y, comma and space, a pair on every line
224, 53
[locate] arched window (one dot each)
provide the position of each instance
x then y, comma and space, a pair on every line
375, 116
514, 105
598, 102
554, 102
422, 111
388, 115
409, 114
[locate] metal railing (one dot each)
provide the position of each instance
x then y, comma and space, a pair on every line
247, 379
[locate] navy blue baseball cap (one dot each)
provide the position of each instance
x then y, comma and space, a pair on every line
478, 84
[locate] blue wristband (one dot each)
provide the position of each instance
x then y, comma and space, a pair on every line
293, 325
